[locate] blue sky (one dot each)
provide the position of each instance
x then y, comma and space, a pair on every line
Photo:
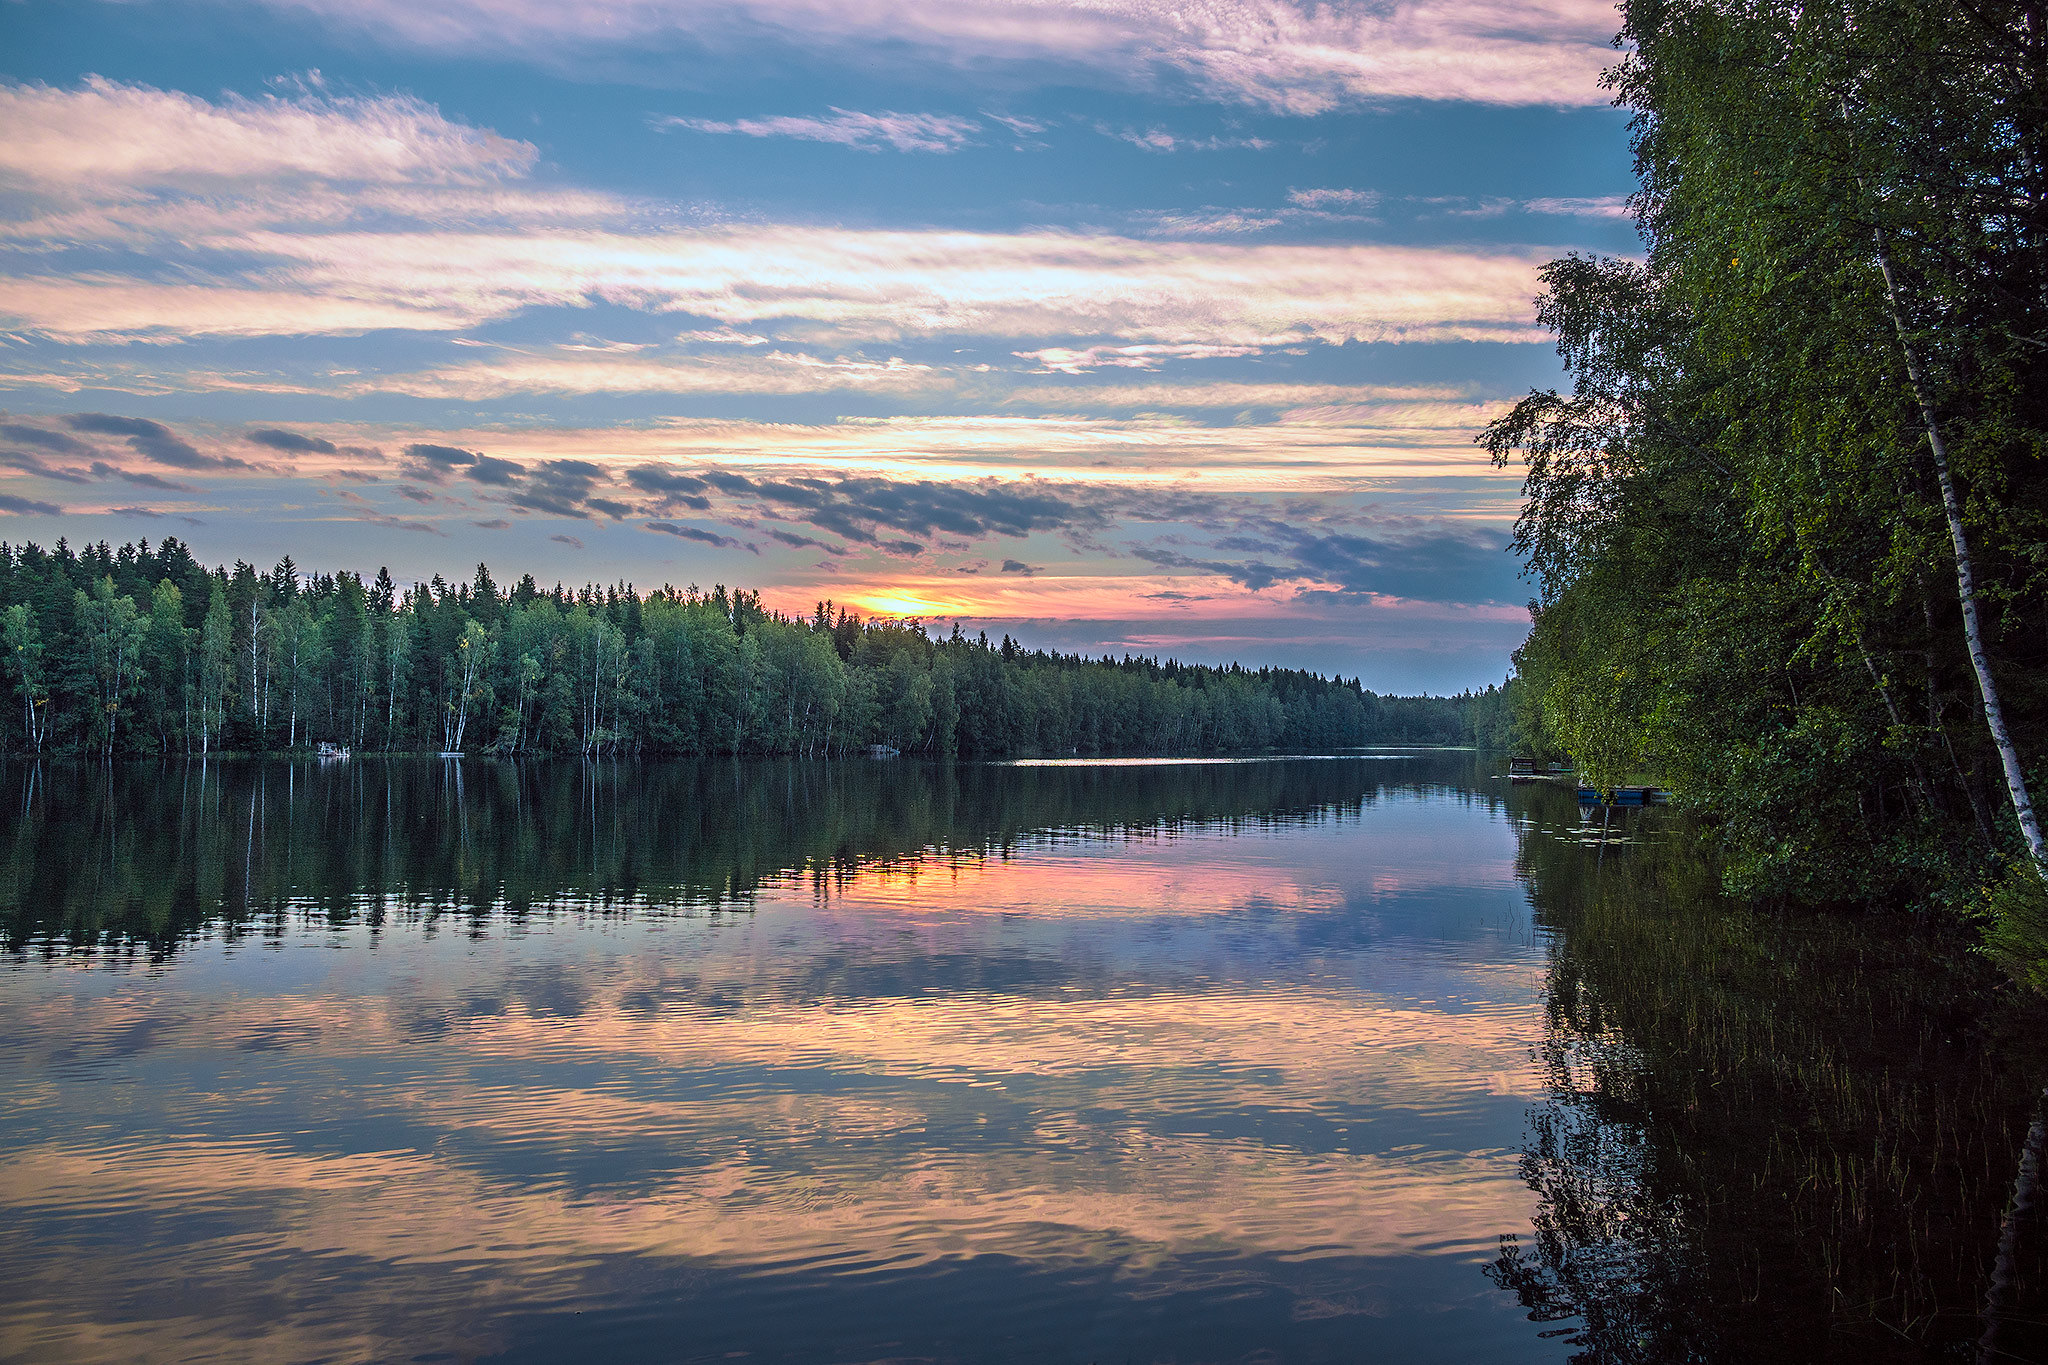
1112, 324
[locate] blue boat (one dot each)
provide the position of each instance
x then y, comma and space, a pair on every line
1626, 796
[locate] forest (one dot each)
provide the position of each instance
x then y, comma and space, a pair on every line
1788, 528
142, 650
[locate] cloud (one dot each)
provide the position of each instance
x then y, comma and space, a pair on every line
880, 285
151, 440
865, 509
1605, 206
1079, 360
681, 532
1017, 566
34, 464
1291, 56
291, 442
492, 470
106, 135
1160, 140
798, 542
28, 506
325, 216
1359, 404
671, 489
559, 487
863, 132
570, 541
432, 463
495, 524
775, 373
140, 478
1325, 198
1431, 564
134, 512
111, 309
55, 441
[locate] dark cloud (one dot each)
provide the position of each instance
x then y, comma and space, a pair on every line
431, 463
495, 524
136, 512
903, 547
798, 542
141, 478
1017, 566
864, 510
494, 471
669, 488
151, 440
670, 528
1429, 564
567, 540
1440, 566
664, 482
291, 442
406, 490
1257, 576
617, 511
27, 506
445, 456
30, 464
558, 487
54, 441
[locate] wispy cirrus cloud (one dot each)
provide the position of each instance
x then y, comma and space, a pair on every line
777, 372
1081, 359
822, 283
817, 284
105, 136
848, 128
1288, 55
107, 308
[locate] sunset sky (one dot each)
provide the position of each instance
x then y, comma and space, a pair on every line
1115, 325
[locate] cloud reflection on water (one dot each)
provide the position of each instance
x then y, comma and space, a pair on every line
1270, 1064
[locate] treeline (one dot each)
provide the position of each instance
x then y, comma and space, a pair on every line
142, 650
1790, 527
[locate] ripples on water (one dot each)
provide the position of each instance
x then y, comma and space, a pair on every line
848, 1062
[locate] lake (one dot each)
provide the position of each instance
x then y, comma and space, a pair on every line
1354, 1057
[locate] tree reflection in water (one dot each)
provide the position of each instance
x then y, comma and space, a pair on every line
149, 853
1768, 1136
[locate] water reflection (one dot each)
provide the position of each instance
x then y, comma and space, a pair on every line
1767, 1136
847, 1062
155, 852
1348, 1059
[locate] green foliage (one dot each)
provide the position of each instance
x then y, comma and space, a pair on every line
1744, 575
162, 656
2017, 906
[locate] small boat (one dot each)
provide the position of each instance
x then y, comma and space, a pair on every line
1521, 770
451, 753
883, 751
324, 751
1626, 796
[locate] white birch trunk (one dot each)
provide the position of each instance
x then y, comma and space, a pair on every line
1966, 581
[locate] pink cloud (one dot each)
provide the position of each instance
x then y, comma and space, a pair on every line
105, 135
1288, 55
863, 132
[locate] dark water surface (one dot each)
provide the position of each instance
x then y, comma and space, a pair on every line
1350, 1059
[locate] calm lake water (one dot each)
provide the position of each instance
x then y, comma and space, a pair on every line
1354, 1058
